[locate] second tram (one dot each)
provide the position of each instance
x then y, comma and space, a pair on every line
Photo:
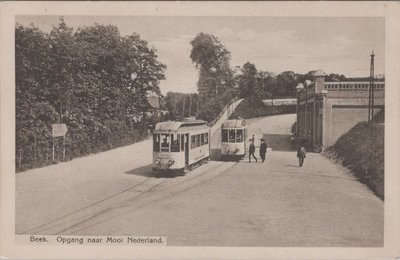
233, 139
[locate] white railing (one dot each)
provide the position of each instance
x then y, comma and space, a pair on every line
233, 100
280, 102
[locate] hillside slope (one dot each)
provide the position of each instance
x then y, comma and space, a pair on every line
366, 161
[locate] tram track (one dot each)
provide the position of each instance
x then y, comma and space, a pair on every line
136, 196
63, 219
152, 198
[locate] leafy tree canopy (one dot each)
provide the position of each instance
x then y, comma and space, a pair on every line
212, 59
91, 78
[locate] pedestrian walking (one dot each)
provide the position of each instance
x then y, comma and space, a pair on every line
252, 149
263, 149
301, 154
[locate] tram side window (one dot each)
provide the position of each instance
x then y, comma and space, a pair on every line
224, 135
202, 139
239, 135
175, 143
165, 143
156, 143
232, 135
197, 140
193, 142
206, 138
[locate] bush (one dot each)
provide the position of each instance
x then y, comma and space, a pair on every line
211, 109
364, 159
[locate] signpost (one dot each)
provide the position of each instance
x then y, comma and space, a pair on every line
59, 130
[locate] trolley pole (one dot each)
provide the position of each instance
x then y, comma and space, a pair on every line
183, 107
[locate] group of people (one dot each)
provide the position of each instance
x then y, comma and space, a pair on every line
252, 149
301, 151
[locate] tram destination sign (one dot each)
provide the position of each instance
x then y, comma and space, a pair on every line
59, 130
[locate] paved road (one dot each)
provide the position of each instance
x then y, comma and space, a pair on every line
218, 204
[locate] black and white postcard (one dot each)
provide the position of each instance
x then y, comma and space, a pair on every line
207, 130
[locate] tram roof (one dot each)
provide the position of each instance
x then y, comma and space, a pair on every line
234, 123
176, 125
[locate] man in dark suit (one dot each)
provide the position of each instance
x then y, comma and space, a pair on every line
263, 149
252, 149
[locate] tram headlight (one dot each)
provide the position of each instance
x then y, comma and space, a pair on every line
170, 163
157, 162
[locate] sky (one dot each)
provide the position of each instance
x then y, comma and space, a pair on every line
339, 45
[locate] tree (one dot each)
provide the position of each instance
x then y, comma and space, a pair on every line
212, 60
182, 105
335, 77
212, 107
83, 78
247, 80
286, 84
266, 84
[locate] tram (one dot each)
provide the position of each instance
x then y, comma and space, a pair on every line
233, 139
180, 145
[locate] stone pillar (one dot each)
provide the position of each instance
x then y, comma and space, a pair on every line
319, 78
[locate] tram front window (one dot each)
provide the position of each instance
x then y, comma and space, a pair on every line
175, 143
232, 136
239, 136
165, 143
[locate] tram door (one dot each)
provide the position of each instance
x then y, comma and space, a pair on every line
186, 149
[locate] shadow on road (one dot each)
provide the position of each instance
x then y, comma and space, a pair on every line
147, 171
291, 165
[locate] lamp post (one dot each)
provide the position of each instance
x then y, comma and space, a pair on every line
305, 108
299, 88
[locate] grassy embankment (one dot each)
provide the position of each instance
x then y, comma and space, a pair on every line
366, 161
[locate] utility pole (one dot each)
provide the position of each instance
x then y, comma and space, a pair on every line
183, 107
198, 104
305, 109
175, 106
372, 87
371, 90
371, 109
